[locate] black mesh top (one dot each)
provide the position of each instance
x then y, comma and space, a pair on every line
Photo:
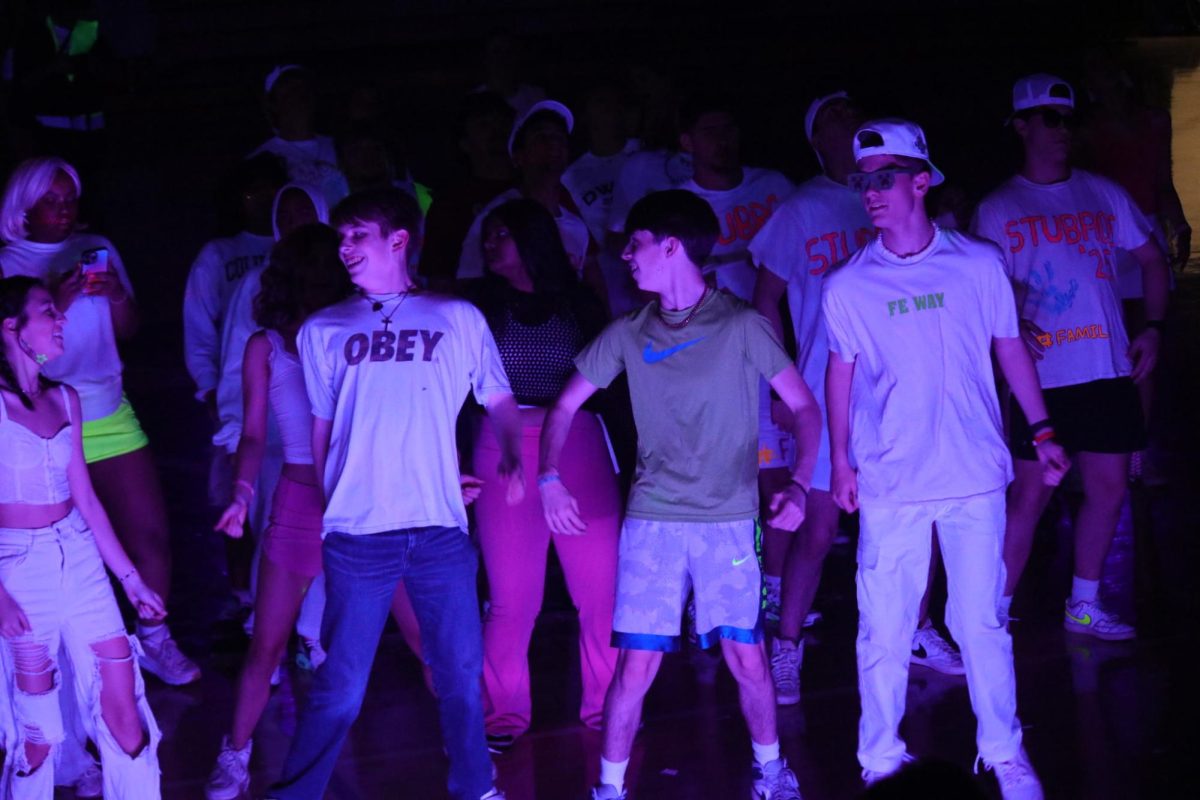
538, 345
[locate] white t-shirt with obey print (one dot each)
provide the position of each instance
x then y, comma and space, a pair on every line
924, 418
394, 395
820, 225
741, 213
1059, 242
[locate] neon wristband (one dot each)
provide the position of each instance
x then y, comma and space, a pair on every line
1043, 437
548, 477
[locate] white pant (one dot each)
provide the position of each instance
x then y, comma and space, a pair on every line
57, 578
893, 568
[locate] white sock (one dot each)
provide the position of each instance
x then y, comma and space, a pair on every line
774, 588
765, 753
1005, 607
1083, 590
155, 632
613, 773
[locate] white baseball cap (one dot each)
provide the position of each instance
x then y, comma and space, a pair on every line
274, 75
1041, 89
815, 107
894, 137
541, 105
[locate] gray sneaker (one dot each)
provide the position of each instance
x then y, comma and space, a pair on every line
230, 778
786, 658
775, 781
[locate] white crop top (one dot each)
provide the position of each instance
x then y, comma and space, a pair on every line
33, 470
289, 402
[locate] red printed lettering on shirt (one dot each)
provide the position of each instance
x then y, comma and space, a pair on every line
1016, 239
742, 222
820, 259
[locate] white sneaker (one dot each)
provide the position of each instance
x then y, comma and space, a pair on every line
230, 778
930, 650
493, 794
774, 781
870, 776
1090, 618
1017, 779
90, 783
786, 659
162, 658
606, 791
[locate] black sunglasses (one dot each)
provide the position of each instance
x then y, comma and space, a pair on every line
1052, 118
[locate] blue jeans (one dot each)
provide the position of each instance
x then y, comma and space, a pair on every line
438, 567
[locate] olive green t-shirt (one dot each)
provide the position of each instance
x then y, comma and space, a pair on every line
695, 402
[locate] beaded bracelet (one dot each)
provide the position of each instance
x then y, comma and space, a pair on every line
128, 575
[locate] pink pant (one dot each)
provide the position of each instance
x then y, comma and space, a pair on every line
515, 542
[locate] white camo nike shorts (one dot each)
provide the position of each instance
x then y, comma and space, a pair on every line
660, 561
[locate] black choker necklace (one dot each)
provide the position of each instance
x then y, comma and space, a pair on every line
377, 304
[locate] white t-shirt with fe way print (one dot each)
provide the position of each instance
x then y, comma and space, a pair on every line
924, 417
1059, 243
90, 362
571, 228
394, 393
741, 213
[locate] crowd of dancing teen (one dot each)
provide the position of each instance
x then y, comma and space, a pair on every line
586, 354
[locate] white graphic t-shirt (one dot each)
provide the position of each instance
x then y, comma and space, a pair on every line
642, 173
590, 180
924, 418
820, 225
91, 362
394, 393
1059, 242
571, 228
312, 162
741, 212
210, 283
236, 329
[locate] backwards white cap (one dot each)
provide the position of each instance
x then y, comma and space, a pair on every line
541, 105
815, 107
274, 75
894, 137
1041, 89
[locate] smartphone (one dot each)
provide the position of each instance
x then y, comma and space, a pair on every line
94, 260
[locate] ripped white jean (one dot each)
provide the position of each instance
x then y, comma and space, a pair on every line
56, 576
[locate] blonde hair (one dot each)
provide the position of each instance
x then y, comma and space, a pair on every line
29, 181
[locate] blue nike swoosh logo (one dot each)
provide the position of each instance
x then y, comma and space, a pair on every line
652, 356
